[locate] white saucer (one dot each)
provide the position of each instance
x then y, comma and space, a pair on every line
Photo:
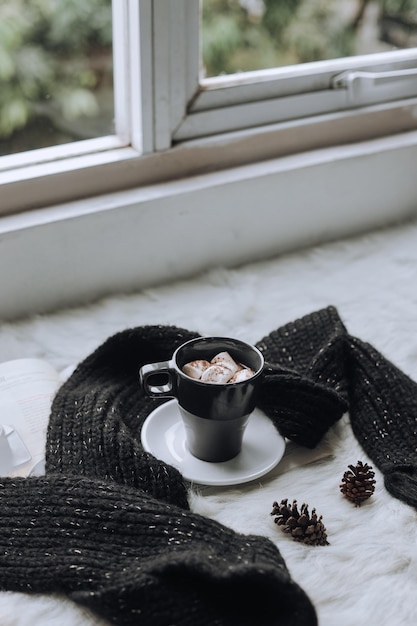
163, 435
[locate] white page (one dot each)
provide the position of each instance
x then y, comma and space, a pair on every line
27, 387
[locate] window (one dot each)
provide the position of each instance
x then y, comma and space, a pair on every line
172, 122
295, 92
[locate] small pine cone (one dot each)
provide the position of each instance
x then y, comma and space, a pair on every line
358, 483
302, 526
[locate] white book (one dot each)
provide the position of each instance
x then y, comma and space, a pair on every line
27, 388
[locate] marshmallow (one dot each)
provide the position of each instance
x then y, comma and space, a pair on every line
216, 374
242, 374
194, 369
224, 358
221, 369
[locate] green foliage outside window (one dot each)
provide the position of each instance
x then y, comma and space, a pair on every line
55, 60
255, 34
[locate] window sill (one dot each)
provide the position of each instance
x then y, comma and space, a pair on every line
80, 251
77, 175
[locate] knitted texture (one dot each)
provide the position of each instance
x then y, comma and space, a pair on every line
97, 415
317, 371
136, 560
110, 526
384, 418
304, 390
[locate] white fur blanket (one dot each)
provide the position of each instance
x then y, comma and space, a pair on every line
368, 573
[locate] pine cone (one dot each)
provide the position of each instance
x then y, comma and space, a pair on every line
357, 483
302, 526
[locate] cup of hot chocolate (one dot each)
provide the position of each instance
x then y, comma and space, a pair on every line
215, 381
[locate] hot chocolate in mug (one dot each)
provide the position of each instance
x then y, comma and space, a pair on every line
216, 382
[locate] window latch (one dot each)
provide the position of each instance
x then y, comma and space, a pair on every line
364, 86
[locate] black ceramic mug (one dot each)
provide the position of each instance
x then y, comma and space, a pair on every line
215, 414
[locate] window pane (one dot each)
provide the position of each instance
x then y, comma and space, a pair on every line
56, 72
244, 35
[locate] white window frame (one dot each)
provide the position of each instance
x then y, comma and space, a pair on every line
115, 217
258, 98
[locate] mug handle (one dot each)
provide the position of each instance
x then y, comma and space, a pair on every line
146, 373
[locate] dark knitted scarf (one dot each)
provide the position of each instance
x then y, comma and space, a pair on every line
320, 372
110, 526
